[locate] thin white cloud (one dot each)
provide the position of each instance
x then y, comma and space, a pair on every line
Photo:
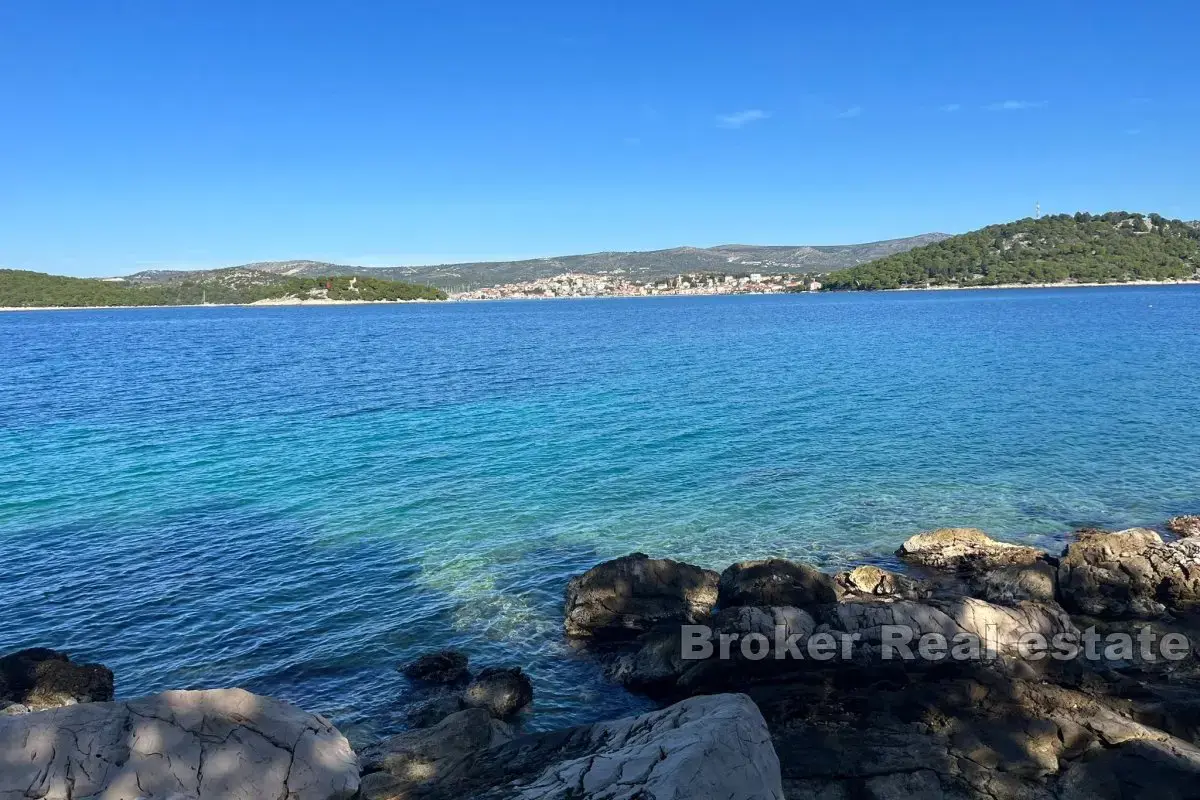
740, 119
850, 113
1133, 131
1016, 105
950, 108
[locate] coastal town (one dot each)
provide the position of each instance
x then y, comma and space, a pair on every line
574, 284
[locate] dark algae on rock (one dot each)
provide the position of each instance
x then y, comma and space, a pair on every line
39, 678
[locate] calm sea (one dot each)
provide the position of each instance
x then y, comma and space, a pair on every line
295, 500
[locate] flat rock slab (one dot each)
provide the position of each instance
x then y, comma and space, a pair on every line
714, 747
221, 744
964, 549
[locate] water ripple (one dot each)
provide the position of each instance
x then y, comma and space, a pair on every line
295, 500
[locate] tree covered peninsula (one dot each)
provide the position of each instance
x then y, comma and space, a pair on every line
1081, 248
20, 289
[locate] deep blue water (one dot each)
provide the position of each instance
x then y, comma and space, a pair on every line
297, 499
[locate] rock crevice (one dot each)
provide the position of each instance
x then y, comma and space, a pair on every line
224, 744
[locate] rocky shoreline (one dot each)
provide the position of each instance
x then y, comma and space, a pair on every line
985, 670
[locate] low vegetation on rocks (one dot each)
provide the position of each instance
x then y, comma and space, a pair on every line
38, 678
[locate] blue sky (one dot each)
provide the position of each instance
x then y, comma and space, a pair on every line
143, 133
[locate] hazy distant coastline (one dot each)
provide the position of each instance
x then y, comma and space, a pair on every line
284, 302
1062, 250
642, 265
297, 302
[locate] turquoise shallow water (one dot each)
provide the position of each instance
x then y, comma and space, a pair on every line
297, 499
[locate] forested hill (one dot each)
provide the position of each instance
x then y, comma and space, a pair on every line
1081, 248
21, 289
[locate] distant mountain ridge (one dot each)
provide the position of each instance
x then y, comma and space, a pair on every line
285, 268
637, 265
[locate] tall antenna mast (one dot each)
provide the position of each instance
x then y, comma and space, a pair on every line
1037, 210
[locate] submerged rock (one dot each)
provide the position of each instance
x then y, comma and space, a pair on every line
775, 582
964, 549
427, 713
633, 594
40, 678
202, 745
1130, 573
501, 691
444, 666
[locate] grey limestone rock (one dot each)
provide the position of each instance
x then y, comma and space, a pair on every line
221, 744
